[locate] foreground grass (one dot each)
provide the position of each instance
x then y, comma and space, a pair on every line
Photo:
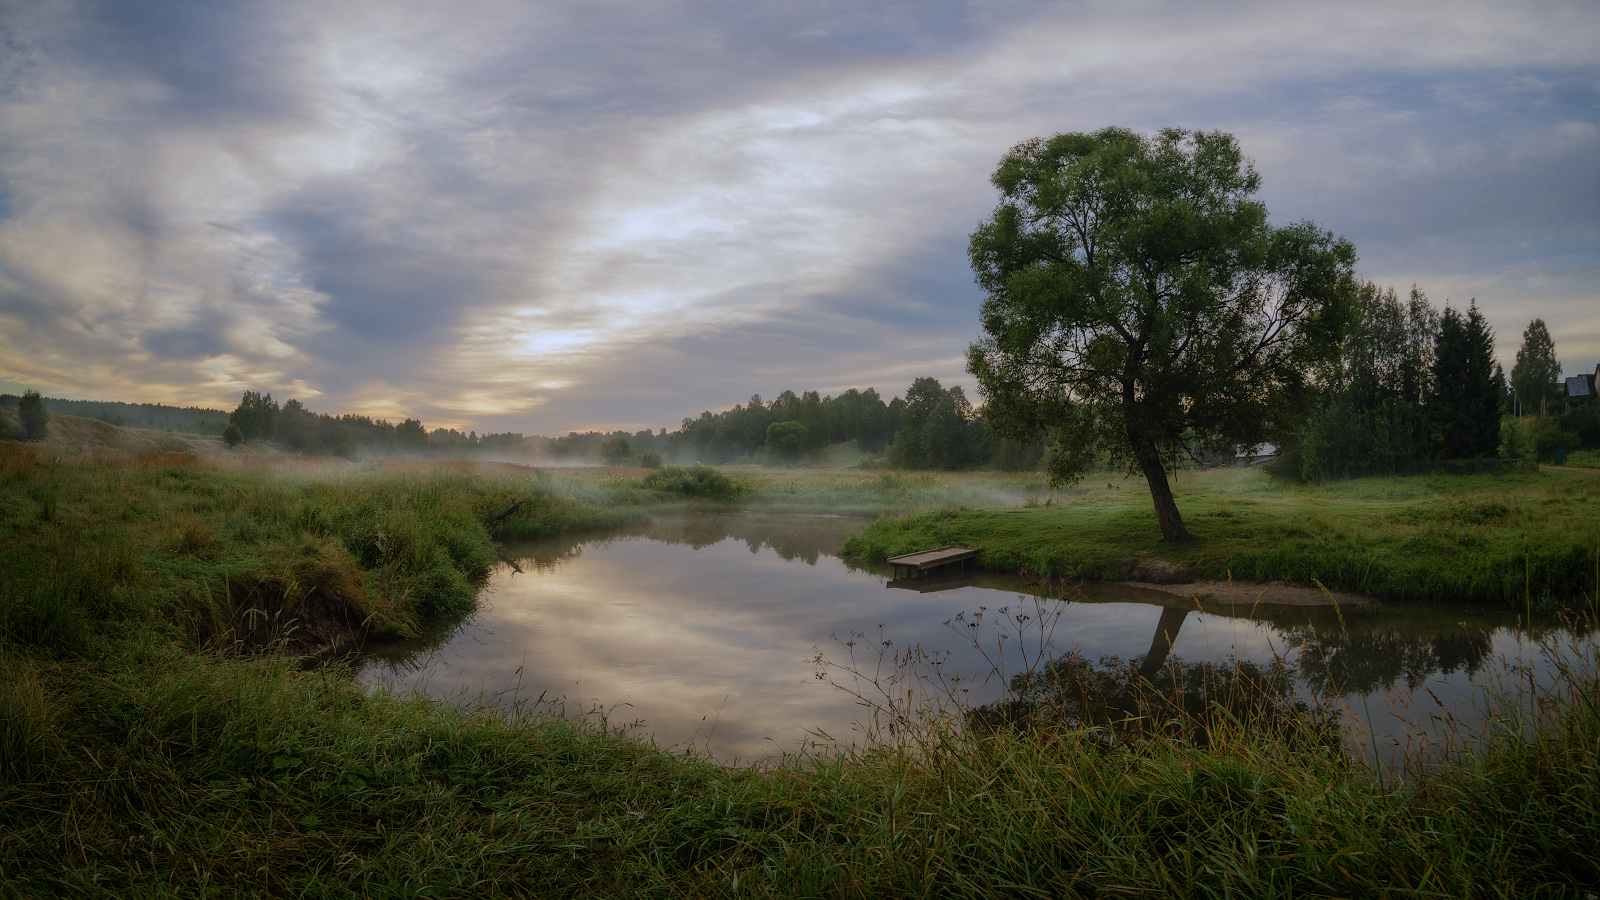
1504, 539
174, 774
147, 750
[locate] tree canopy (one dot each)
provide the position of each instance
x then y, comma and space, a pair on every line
1139, 302
1535, 375
1463, 404
34, 417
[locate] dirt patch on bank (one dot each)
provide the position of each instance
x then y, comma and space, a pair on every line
1251, 593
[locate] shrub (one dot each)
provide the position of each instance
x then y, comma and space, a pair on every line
692, 481
1514, 440
232, 436
650, 459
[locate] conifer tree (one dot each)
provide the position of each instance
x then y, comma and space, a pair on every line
1534, 376
1463, 405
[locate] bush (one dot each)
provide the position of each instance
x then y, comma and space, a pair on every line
1549, 438
232, 436
1583, 421
692, 481
1514, 440
650, 459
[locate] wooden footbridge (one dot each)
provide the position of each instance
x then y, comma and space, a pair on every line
926, 560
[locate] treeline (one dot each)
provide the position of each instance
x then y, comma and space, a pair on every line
931, 427
1414, 385
189, 419
300, 430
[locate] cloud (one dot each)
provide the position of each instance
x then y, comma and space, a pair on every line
545, 217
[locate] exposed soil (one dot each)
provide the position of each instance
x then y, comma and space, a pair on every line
1249, 593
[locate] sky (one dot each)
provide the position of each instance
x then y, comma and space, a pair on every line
543, 216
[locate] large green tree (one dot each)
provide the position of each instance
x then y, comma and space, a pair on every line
1537, 370
1136, 292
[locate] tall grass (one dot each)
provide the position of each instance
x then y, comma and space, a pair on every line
108, 541
166, 773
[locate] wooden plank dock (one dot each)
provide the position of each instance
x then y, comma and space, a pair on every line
924, 560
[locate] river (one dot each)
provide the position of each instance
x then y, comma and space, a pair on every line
746, 637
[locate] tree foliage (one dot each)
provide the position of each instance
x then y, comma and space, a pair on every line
615, 451
1463, 406
938, 429
1534, 376
411, 436
1409, 385
1370, 419
785, 442
1136, 293
34, 417
256, 416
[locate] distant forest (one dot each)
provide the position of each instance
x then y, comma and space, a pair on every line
931, 427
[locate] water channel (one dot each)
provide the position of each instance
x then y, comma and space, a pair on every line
706, 632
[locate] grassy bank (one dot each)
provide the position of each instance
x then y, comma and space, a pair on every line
207, 553
1485, 538
151, 744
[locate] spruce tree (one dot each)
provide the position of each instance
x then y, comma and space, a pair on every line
1481, 412
1463, 404
1534, 376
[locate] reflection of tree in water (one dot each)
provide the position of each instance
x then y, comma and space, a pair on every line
1362, 657
1160, 692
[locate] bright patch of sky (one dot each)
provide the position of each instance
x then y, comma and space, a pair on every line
546, 217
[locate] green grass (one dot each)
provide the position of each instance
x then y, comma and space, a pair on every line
1584, 459
100, 542
151, 745
1440, 538
166, 773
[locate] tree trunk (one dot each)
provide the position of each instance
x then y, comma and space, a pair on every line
1161, 645
1161, 495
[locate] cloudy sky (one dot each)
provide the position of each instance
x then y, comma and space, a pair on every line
546, 216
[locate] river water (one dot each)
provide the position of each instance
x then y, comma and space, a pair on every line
746, 637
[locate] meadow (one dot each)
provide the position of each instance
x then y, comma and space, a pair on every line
1525, 540
162, 735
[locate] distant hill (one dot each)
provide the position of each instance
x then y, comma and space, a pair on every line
194, 419
77, 431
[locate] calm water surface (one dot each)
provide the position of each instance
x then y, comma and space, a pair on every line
705, 632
